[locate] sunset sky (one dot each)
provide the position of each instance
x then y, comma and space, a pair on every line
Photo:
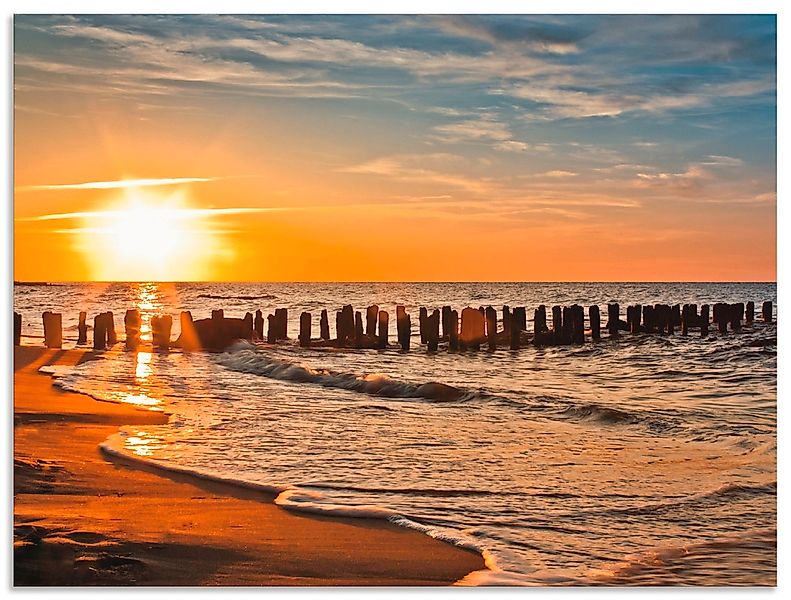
354, 148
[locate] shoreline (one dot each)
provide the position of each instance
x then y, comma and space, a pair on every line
82, 517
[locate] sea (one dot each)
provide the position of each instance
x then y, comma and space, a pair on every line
642, 460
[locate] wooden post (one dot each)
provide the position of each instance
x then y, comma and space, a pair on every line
686, 312
519, 315
271, 329
281, 319
557, 323
613, 316
384, 324
506, 319
358, 329
595, 320
82, 329
540, 319
403, 327
346, 334
324, 325
515, 330
446, 310
161, 326
189, 337
750, 312
766, 311
99, 332
53, 329
453, 330
132, 323
370, 320
472, 328
422, 315
721, 311
304, 329
248, 327
18, 328
736, 312
704, 320
432, 331
672, 321
258, 325
491, 326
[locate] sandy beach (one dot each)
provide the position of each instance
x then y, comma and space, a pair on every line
82, 519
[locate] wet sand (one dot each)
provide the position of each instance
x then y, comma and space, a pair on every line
83, 519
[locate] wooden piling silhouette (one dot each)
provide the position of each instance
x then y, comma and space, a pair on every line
506, 319
721, 316
17, 329
403, 327
453, 330
358, 329
281, 324
258, 325
248, 327
432, 330
472, 328
704, 320
594, 316
557, 324
82, 329
540, 319
446, 310
304, 329
271, 329
132, 323
422, 315
188, 340
53, 329
384, 324
515, 331
766, 311
491, 326
370, 320
161, 326
519, 316
613, 316
324, 326
736, 314
99, 332
750, 314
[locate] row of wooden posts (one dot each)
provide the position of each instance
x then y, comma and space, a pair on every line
468, 330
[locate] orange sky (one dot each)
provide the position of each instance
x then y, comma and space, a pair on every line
422, 168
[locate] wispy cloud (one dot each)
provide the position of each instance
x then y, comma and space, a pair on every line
117, 184
172, 213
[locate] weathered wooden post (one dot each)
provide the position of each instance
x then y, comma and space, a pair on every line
686, 319
446, 322
82, 329
432, 330
721, 316
453, 330
595, 320
735, 314
506, 319
53, 329
346, 326
384, 324
132, 322
248, 327
99, 332
281, 317
271, 329
519, 316
540, 319
472, 328
750, 312
613, 316
304, 329
557, 324
189, 337
258, 325
491, 326
766, 311
403, 327
370, 320
18, 328
324, 325
515, 330
675, 313
358, 329
160, 331
704, 320
672, 320
422, 315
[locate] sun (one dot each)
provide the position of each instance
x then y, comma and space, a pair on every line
145, 236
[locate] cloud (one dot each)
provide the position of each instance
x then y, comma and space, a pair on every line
559, 173
173, 213
117, 184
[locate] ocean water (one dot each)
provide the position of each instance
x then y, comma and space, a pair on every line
647, 460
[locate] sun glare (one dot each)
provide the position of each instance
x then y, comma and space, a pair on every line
148, 237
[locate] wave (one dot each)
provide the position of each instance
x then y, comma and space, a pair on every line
243, 358
230, 297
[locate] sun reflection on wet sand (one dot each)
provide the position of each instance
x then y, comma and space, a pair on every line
143, 366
